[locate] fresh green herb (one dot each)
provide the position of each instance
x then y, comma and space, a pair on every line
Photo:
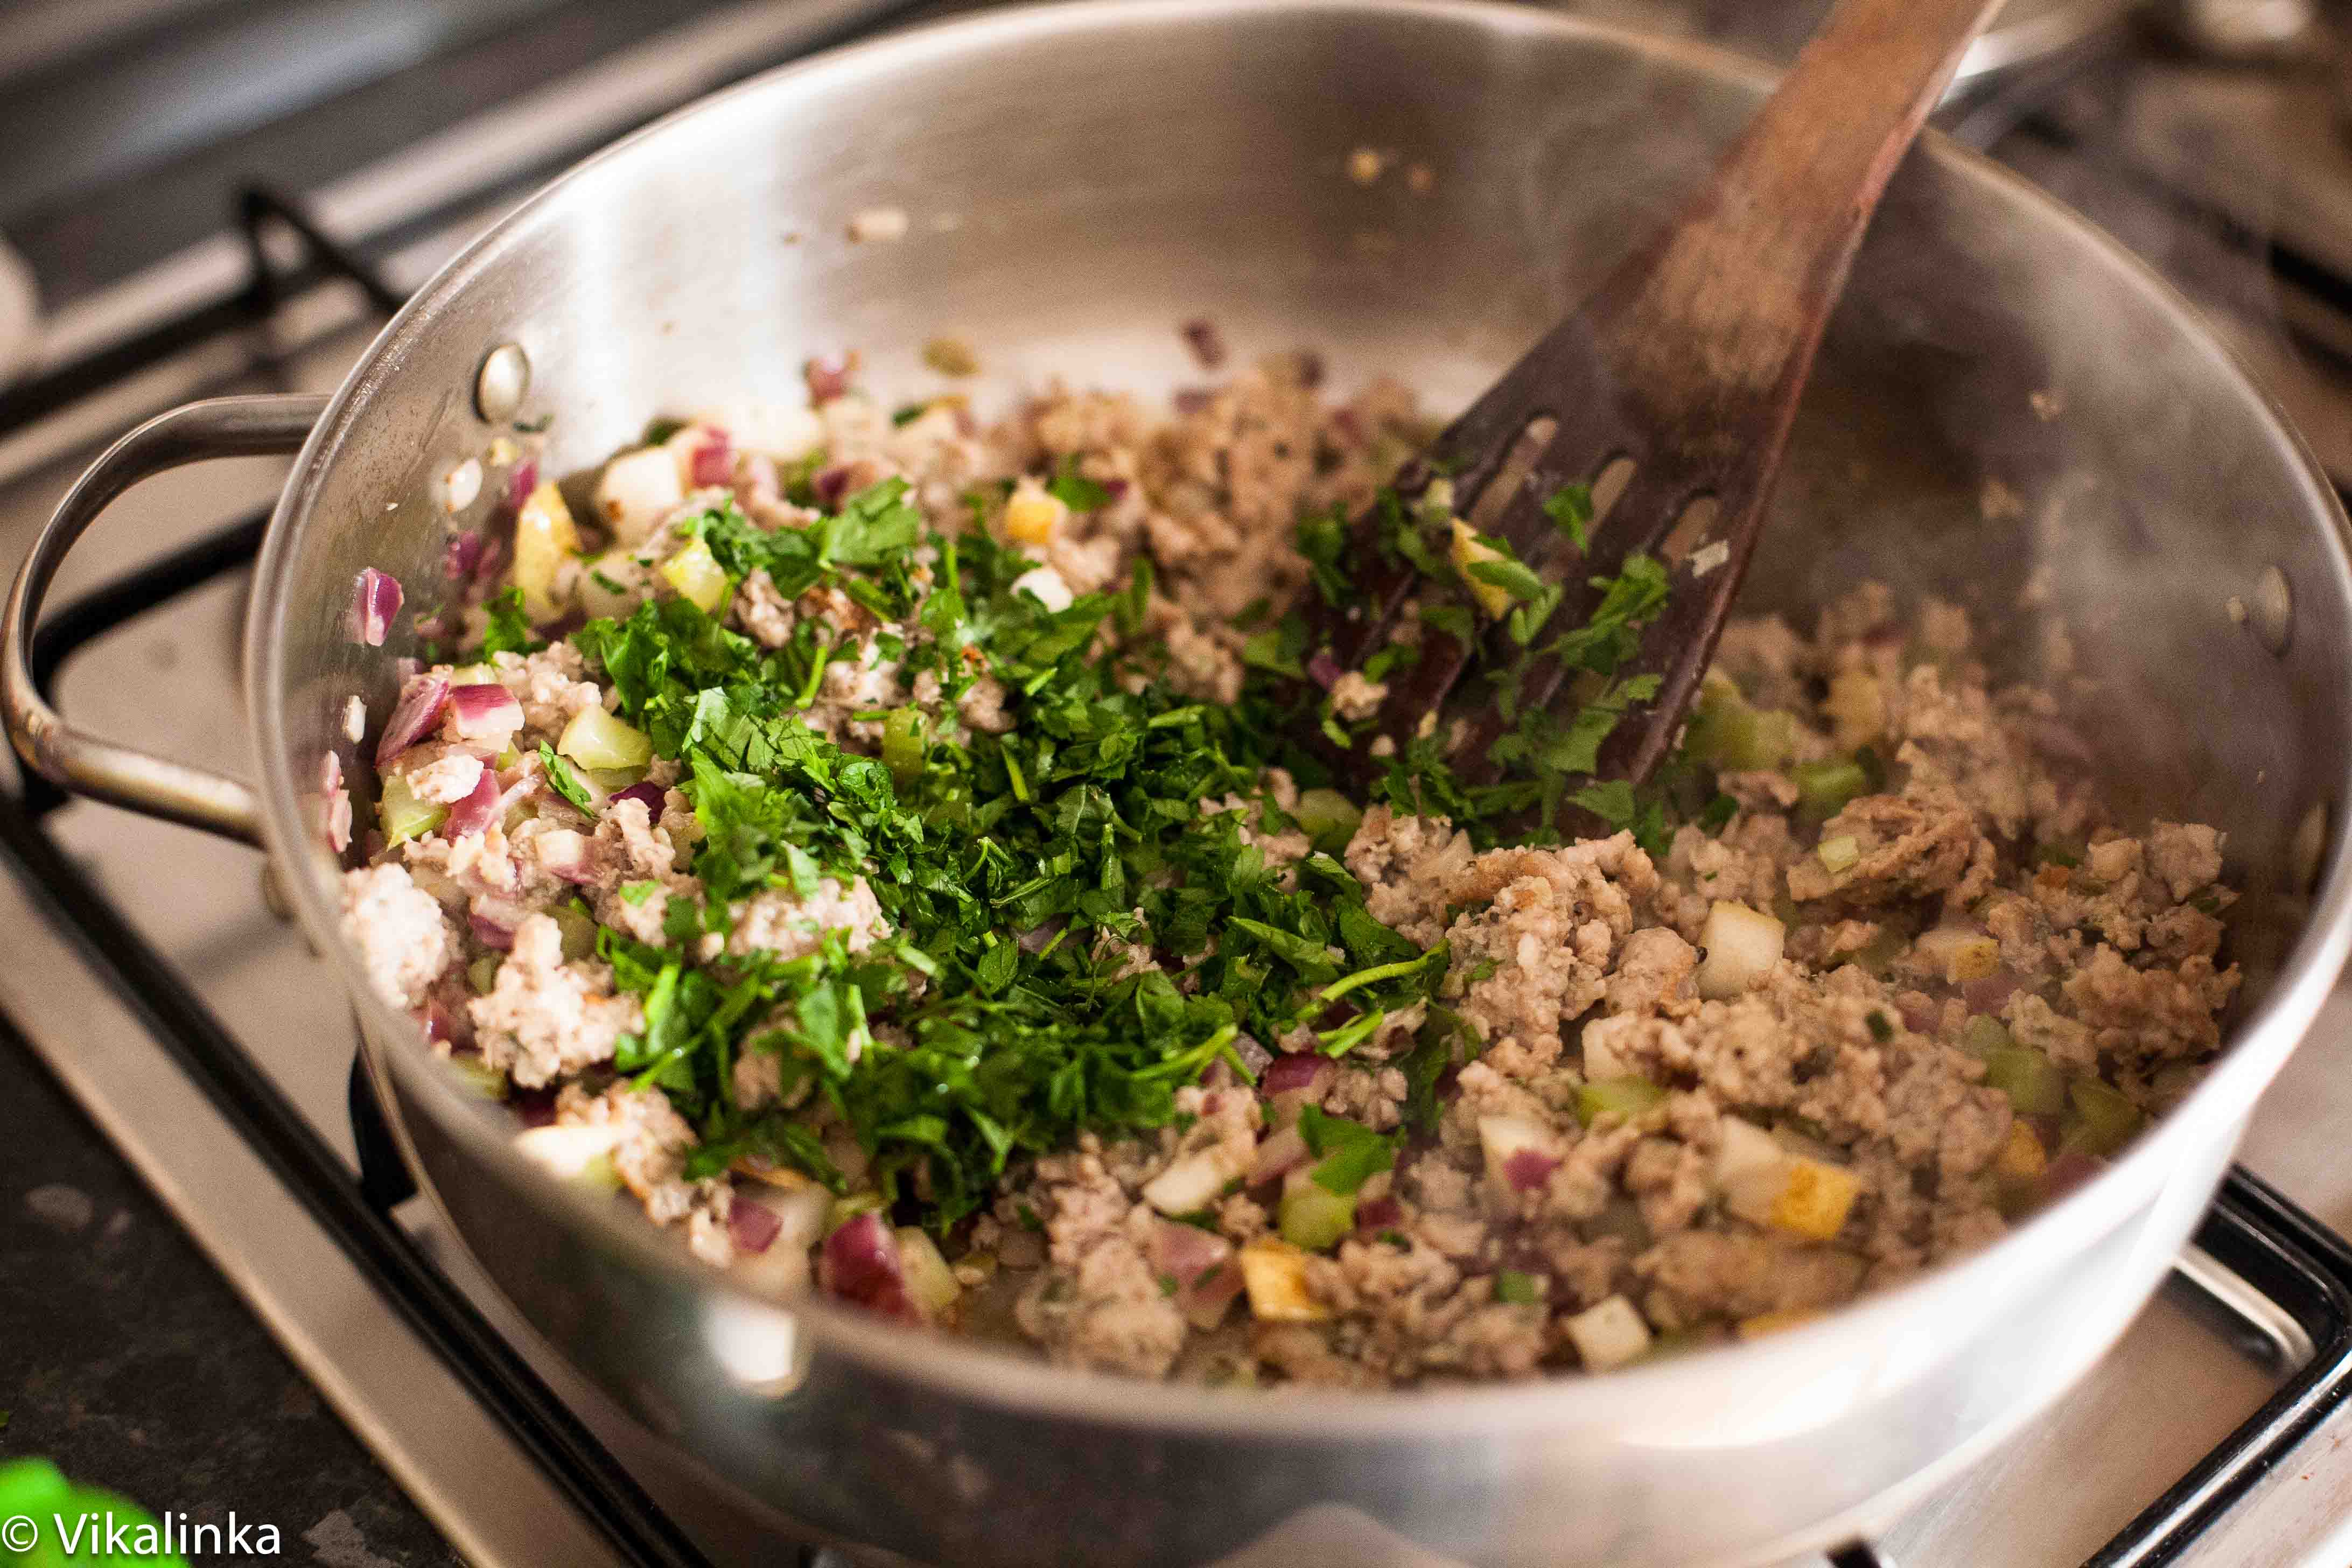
510, 627
1075, 490
659, 431
563, 781
1348, 1153
1518, 1290
1571, 510
1881, 1028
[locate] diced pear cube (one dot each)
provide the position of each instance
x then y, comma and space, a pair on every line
1274, 1273
1609, 1334
545, 539
698, 578
1815, 1199
636, 491
1032, 516
1468, 552
1742, 946
2022, 1157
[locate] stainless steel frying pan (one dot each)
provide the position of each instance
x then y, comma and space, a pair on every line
1079, 179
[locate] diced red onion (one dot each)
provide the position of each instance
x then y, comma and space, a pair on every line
1324, 669
532, 1106
650, 796
1349, 425
485, 711
1192, 399
2069, 1169
475, 812
338, 802
714, 460
1529, 1169
492, 564
861, 1264
375, 599
1201, 1265
1286, 1073
1887, 633
1992, 992
495, 919
1207, 344
418, 711
460, 557
565, 857
1379, 1214
753, 1224
521, 481
829, 484
1114, 488
1278, 1154
434, 1019
828, 375
1918, 1013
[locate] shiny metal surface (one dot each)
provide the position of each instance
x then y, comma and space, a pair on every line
104, 769
1175, 168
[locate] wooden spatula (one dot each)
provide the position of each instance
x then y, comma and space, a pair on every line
1688, 361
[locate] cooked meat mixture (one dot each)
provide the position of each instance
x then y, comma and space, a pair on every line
905, 858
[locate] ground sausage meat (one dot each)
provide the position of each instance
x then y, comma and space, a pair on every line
1865, 974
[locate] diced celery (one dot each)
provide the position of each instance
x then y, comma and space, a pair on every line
1983, 1034
698, 578
611, 780
1625, 1096
2103, 1120
1875, 957
1726, 732
403, 815
1839, 853
2035, 1085
1328, 817
1519, 1289
1312, 1216
579, 931
482, 975
594, 739
904, 746
476, 1077
1823, 788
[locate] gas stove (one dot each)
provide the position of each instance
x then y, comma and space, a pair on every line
152, 972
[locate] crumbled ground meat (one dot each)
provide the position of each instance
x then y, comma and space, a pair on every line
399, 931
1720, 1139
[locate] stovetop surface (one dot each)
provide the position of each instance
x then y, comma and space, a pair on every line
2174, 164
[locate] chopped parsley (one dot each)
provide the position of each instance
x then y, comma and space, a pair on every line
564, 781
1081, 919
1571, 510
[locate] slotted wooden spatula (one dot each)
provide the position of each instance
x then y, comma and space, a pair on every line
1688, 361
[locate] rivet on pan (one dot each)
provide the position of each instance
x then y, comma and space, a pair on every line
2273, 609
500, 386
2304, 850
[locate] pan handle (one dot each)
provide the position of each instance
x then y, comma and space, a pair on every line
76, 760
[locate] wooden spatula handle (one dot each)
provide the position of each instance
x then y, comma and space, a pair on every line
1786, 210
